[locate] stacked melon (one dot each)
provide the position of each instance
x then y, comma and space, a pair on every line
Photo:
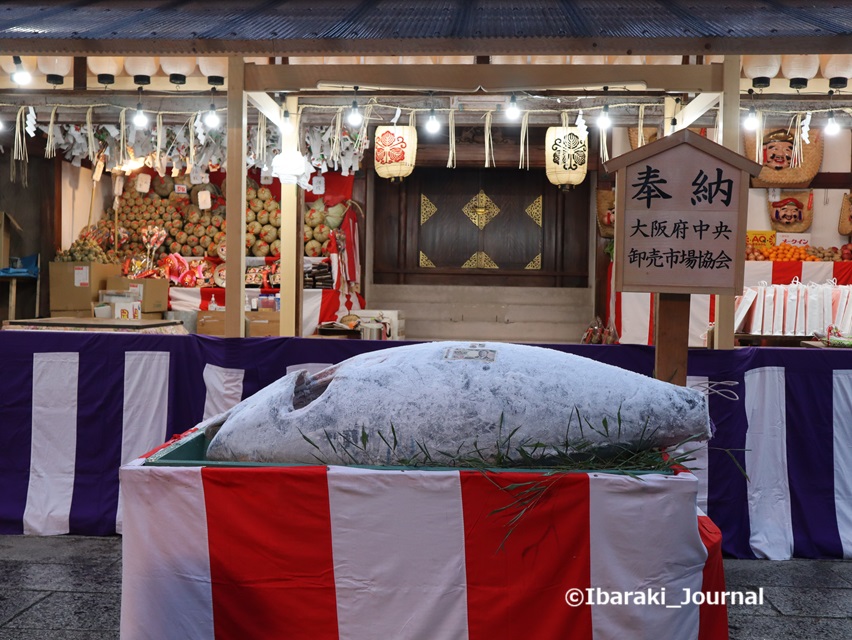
320, 222
192, 231
263, 223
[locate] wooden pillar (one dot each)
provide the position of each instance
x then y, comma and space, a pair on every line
671, 337
723, 335
235, 209
291, 239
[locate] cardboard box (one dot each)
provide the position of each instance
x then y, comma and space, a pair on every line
121, 310
72, 313
262, 323
211, 323
259, 324
154, 292
74, 285
157, 315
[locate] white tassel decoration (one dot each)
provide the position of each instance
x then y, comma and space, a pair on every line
50, 147
525, 142
451, 129
489, 142
90, 136
20, 149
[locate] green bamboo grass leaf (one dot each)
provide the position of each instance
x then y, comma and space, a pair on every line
736, 462
309, 441
330, 441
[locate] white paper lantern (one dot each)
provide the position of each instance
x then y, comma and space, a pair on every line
837, 68
417, 60
105, 68
342, 60
761, 66
213, 67
588, 59
55, 68
799, 69
381, 59
105, 64
509, 59
178, 68
547, 59
625, 59
456, 60
663, 59
396, 151
288, 166
567, 155
141, 68
27, 62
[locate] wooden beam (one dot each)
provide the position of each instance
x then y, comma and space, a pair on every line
696, 108
471, 78
723, 334
290, 319
671, 337
266, 104
235, 209
80, 73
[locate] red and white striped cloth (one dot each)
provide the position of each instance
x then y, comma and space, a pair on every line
320, 553
634, 312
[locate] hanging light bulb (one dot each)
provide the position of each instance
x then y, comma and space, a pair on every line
831, 127
750, 122
432, 124
287, 125
211, 118
355, 118
512, 111
20, 75
140, 119
603, 120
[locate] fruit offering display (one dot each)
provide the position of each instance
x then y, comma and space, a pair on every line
263, 221
86, 249
190, 231
320, 222
789, 253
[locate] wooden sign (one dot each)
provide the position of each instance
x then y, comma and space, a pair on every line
683, 203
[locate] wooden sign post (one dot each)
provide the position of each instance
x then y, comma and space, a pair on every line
681, 207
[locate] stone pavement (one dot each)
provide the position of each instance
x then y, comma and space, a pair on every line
69, 588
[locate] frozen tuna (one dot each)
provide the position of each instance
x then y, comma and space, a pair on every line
397, 404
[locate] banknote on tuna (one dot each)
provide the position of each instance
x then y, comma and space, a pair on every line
422, 402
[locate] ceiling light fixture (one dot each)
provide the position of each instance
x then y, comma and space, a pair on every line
211, 119
750, 122
432, 124
20, 75
512, 111
603, 120
831, 127
140, 119
355, 118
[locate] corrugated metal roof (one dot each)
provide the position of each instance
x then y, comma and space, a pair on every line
429, 26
